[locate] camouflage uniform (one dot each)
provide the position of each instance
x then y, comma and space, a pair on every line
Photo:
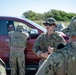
17, 44
54, 64
63, 61
2, 67
43, 42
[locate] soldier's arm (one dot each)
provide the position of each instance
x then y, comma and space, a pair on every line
25, 35
36, 47
9, 42
46, 67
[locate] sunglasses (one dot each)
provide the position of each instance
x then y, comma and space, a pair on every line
49, 24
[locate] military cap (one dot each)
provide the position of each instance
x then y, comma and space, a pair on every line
71, 29
50, 21
19, 28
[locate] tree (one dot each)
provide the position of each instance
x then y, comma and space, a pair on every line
57, 14
30, 15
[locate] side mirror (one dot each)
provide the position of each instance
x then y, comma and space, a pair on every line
34, 31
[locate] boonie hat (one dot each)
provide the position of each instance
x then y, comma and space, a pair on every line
71, 29
50, 21
19, 28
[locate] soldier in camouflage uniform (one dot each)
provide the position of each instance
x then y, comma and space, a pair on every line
47, 40
63, 60
17, 44
2, 67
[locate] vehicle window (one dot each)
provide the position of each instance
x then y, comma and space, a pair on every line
26, 28
3, 27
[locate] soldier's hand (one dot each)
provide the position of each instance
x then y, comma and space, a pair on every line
50, 49
44, 55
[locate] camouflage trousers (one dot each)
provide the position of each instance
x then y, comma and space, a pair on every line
17, 63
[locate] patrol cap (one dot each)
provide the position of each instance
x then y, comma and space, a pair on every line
71, 29
50, 21
19, 27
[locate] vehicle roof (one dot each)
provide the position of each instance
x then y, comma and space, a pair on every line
24, 19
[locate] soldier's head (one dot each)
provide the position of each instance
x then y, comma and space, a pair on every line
50, 21
71, 29
10, 25
50, 24
10, 28
19, 28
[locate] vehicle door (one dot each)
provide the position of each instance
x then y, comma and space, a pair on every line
4, 49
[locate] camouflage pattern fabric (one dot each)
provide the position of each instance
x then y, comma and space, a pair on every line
17, 45
17, 61
51, 65
43, 42
18, 39
20, 27
2, 67
69, 52
61, 62
71, 29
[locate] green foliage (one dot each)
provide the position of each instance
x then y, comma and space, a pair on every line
30, 15
57, 14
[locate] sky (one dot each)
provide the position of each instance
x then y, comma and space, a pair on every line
18, 7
